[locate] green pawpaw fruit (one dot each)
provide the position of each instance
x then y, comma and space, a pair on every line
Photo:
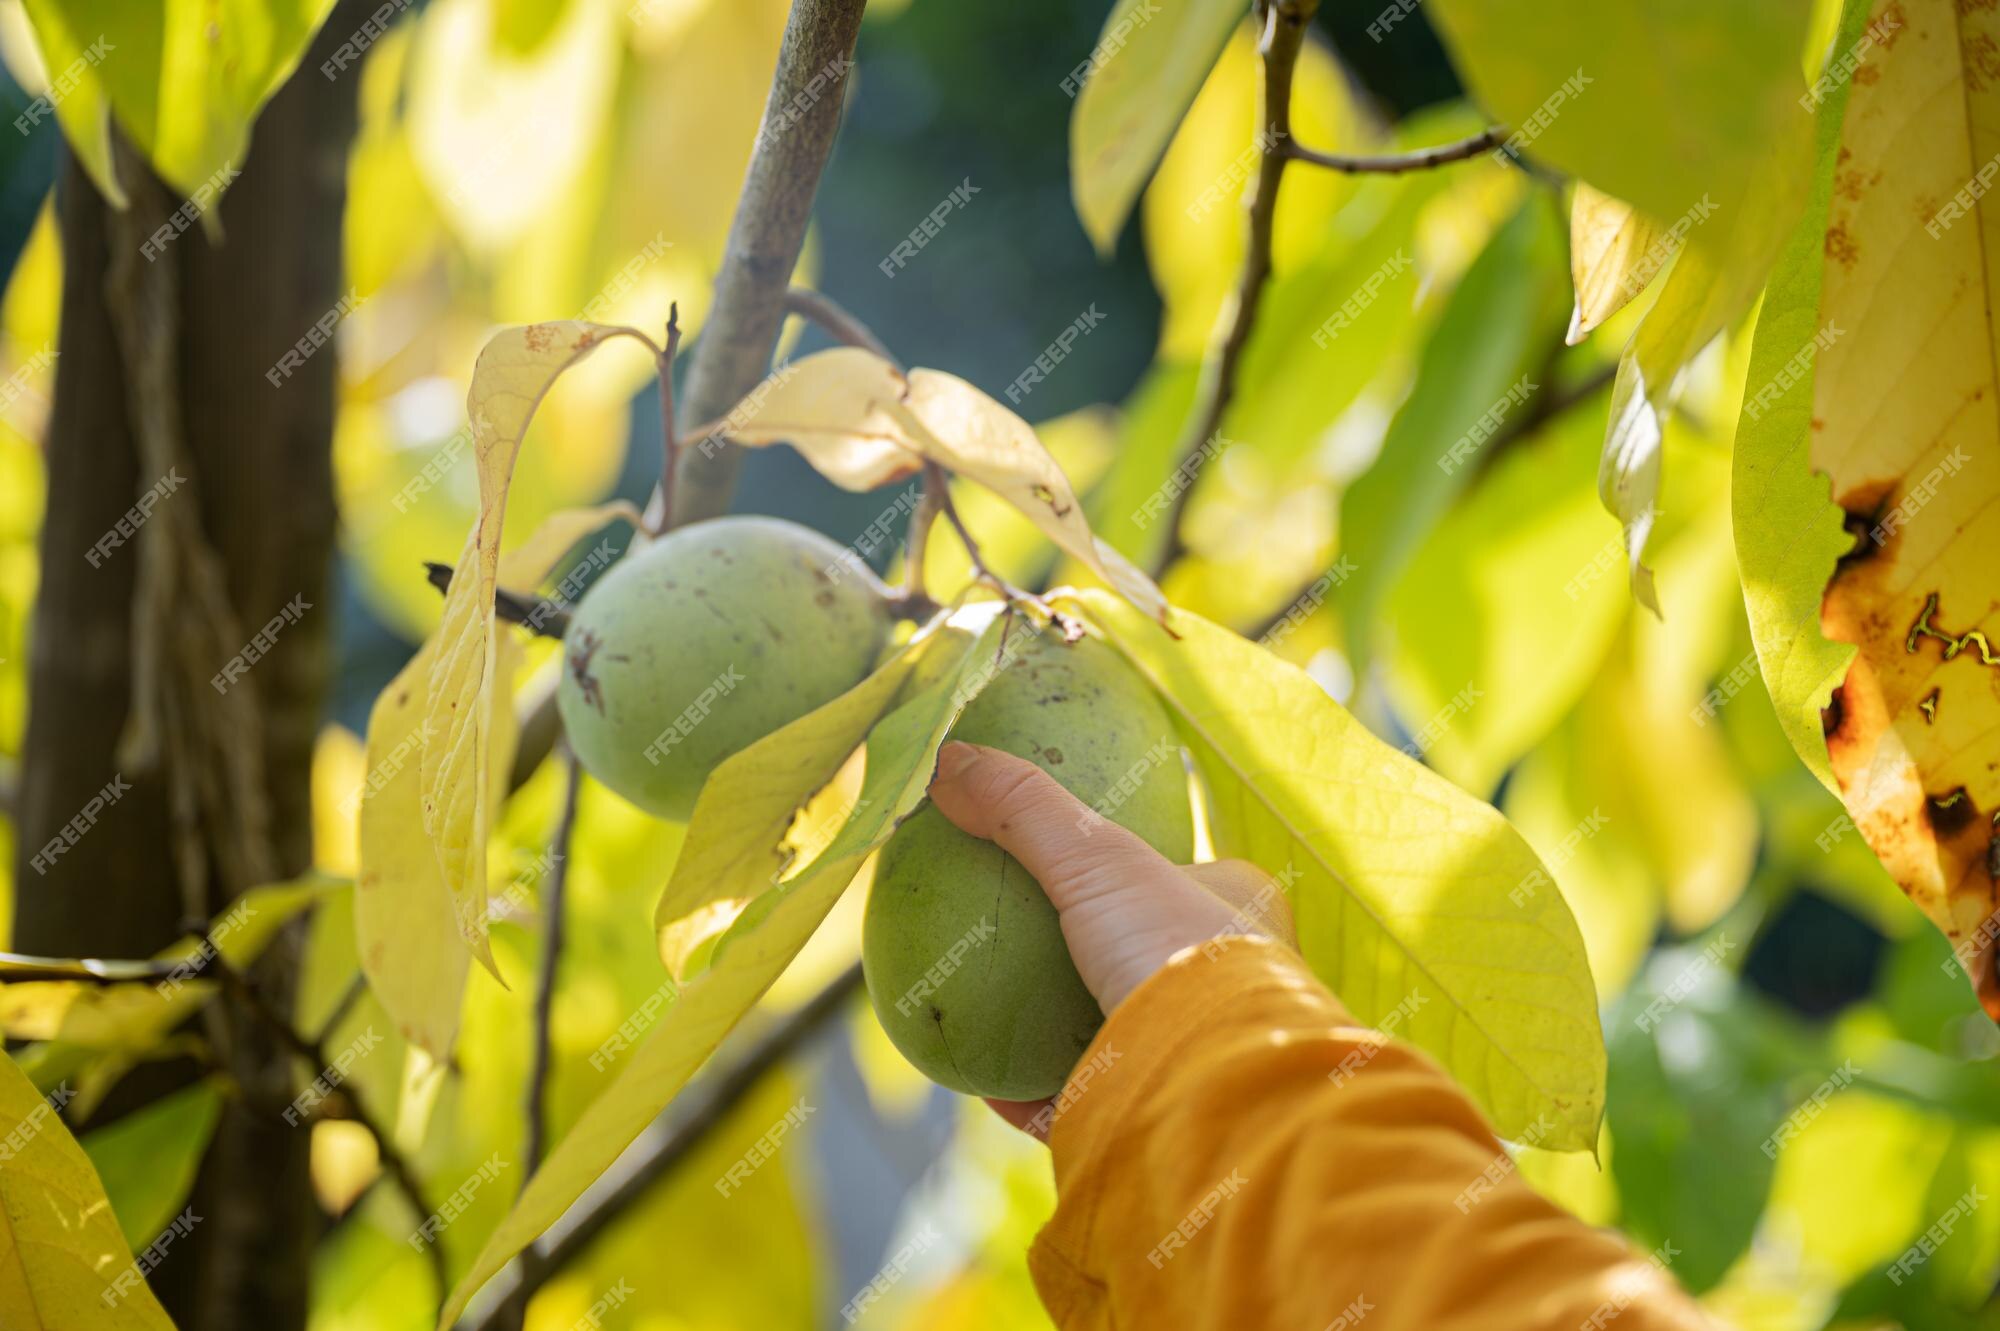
705, 641
963, 953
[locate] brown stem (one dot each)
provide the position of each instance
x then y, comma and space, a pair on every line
1283, 24
245, 991
670, 1140
733, 352
515, 1313
670, 447
840, 325
1395, 164
552, 942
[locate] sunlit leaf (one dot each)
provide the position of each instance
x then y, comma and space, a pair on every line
1586, 87
516, 369
63, 1264
1889, 324
1408, 891
901, 754
1147, 66
1482, 367
1497, 625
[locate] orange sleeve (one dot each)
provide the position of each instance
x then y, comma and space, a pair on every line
1235, 1152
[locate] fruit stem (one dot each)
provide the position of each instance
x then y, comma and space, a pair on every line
670, 447
936, 482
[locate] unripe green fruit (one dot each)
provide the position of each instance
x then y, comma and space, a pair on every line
704, 642
963, 952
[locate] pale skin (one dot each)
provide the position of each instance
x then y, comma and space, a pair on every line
1126, 909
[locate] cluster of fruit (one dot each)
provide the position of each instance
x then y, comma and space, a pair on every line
719, 633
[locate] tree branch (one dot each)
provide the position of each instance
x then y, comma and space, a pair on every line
671, 1139
1395, 164
1283, 24
733, 352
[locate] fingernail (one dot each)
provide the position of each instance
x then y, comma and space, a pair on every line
954, 758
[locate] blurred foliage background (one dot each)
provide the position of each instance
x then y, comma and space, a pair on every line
518, 162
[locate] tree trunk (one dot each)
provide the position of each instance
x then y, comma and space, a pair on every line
165, 357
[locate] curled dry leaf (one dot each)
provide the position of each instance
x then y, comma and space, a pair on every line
862, 424
515, 370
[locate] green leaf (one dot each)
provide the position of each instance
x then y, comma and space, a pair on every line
901, 755
60, 1250
1506, 608
183, 79
1408, 893
1475, 371
148, 1158
1143, 74
1655, 102
1696, 1098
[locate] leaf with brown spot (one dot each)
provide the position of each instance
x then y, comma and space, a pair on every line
1867, 479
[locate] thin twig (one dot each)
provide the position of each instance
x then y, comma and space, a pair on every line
666, 1143
1395, 164
1283, 29
342, 1006
313, 1053
515, 1313
545, 618
840, 325
670, 446
936, 481
914, 600
552, 942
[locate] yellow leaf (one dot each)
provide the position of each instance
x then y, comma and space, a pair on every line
735, 847
902, 753
404, 925
1905, 421
1614, 253
1418, 905
1137, 83
515, 370
862, 424
64, 1266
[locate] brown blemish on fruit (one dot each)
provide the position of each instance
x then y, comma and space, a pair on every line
1048, 496
1055, 756
578, 665
824, 596
1840, 246
1981, 54
1928, 706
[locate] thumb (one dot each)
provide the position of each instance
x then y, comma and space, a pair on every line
1073, 851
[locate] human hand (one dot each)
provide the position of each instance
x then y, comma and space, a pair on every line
1125, 908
